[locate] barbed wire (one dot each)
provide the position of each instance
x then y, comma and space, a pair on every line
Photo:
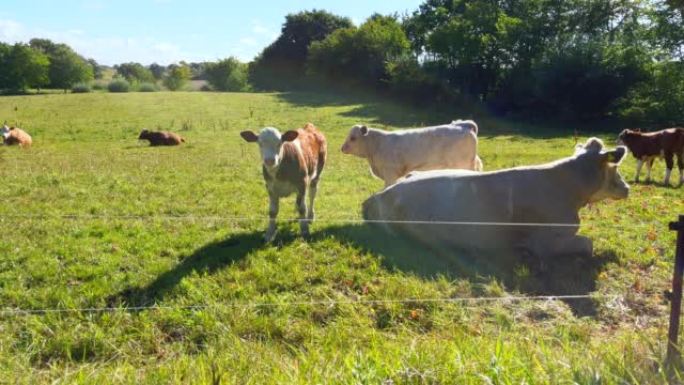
454, 300
206, 218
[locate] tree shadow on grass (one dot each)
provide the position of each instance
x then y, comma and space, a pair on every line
569, 275
207, 260
382, 111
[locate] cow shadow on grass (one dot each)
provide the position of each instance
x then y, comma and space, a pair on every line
206, 260
569, 275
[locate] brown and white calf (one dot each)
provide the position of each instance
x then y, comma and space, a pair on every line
292, 163
647, 146
393, 154
15, 136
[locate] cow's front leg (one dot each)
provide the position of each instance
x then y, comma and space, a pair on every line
680, 165
640, 164
272, 214
649, 168
301, 210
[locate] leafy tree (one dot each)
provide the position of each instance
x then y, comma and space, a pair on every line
286, 57
26, 68
227, 75
134, 72
97, 68
5, 50
360, 53
177, 76
68, 68
157, 70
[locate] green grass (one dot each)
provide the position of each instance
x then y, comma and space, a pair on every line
87, 162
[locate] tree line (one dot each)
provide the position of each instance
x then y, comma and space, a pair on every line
41, 64
570, 59
558, 59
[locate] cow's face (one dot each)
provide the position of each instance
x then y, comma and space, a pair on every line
5, 131
144, 134
270, 144
354, 145
611, 185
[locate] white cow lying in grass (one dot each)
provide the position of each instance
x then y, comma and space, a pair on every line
393, 154
552, 193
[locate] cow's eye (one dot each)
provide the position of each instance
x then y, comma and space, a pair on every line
352, 138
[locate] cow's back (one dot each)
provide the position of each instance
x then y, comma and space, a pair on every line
19, 137
484, 203
313, 145
446, 146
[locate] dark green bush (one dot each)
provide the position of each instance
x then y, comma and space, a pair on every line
148, 87
119, 85
81, 88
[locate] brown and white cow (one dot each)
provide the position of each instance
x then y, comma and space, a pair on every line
532, 209
647, 146
15, 136
393, 154
292, 163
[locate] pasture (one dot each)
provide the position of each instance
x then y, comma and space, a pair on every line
92, 218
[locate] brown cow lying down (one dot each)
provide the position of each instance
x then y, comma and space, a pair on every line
648, 146
161, 138
292, 163
551, 193
15, 136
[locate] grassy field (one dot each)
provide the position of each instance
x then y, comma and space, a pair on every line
125, 245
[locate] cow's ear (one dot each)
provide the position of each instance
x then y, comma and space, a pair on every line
615, 156
593, 145
249, 136
364, 130
289, 136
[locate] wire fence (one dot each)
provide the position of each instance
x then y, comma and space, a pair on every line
332, 219
329, 303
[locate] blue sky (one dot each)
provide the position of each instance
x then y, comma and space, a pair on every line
166, 31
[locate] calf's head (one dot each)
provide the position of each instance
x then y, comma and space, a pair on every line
621, 140
5, 131
144, 134
600, 167
355, 144
270, 144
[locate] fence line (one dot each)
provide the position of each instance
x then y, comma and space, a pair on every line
133, 217
18, 311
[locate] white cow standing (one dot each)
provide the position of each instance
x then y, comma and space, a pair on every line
393, 154
548, 195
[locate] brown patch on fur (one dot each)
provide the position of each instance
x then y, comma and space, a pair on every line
161, 138
19, 137
297, 167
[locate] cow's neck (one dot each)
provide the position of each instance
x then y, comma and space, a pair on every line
579, 179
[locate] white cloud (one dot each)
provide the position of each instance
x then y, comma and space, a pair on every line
105, 49
10, 30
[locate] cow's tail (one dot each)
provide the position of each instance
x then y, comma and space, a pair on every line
182, 139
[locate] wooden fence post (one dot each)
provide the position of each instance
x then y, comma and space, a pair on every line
673, 353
